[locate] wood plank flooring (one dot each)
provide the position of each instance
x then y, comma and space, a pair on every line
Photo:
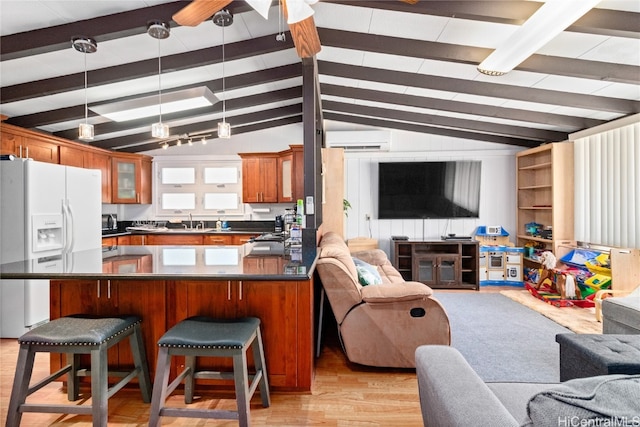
344, 394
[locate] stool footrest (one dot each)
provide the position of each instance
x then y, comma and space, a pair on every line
51, 378
56, 409
199, 413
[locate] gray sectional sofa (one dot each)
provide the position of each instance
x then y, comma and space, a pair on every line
452, 394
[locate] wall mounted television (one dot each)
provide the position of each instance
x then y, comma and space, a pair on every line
429, 190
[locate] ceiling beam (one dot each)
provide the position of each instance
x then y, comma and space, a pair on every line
145, 68
448, 122
543, 64
239, 81
197, 114
205, 126
102, 29
432, 130
460, 107
236, 131
494, 90
597, 21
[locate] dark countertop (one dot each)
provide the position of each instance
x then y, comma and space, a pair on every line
235, 227
263, 261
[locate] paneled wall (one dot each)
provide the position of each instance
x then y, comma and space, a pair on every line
497, 192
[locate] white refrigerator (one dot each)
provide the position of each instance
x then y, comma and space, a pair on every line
46, 211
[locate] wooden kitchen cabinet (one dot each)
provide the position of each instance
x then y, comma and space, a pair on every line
26, 146
241, 239
146, 299
126, 180
291, 174
109, 241
146, 175
274, 303
131, 179
103, 163
71, 156
173, 239
260, 178
217, 239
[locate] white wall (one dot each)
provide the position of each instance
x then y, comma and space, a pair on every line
497, 192
497, 201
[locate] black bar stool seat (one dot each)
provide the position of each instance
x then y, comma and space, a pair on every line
73, 336
202, 336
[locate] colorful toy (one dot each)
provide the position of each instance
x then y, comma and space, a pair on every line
562, 282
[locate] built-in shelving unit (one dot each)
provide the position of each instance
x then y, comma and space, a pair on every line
545, 194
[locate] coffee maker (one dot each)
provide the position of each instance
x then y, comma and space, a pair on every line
279, 227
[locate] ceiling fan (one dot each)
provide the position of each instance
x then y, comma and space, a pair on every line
298, 12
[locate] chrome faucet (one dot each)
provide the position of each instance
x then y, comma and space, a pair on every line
190, 221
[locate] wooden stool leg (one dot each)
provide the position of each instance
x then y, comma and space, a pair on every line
140, 361
189, 379
160, 383
258, 357
241, 379
22, 377
99, 386
73, 387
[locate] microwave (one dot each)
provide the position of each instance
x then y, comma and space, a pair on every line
109, 223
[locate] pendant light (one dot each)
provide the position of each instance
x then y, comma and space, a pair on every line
159, 30
223, 18
85, 45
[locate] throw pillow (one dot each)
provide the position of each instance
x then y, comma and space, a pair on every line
367, 273
602, 400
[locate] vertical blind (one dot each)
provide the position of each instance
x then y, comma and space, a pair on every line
607, 187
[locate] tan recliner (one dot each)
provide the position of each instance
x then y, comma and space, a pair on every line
379, 325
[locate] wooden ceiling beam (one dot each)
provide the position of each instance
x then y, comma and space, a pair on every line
145, 68
494, 90
275, 74
203, 126
543, 64
484, 110
432, 130
203, 113
520, 132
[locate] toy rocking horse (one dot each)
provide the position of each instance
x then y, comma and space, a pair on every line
561, 282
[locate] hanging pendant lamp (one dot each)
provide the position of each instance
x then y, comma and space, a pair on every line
85, 45
223, 18
159, 30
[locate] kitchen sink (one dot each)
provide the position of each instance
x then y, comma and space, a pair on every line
188, 230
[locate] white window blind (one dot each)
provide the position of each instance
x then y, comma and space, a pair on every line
607, 187
206, 188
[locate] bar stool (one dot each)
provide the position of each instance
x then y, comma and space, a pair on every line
206, 337
73, 336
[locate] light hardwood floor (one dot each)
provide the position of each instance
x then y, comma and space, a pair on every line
344, 394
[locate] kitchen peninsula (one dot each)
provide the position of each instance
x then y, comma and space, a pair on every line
165, 284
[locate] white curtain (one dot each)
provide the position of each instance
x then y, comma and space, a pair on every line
607, 187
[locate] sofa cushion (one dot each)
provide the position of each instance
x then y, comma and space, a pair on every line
389, 293
592, 401
341, 254
367, 273
515, 396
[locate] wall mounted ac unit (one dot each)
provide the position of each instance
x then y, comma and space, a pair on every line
367, 140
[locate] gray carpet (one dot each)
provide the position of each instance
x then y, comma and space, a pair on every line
501, 339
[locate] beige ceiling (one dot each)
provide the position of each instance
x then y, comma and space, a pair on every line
385, 64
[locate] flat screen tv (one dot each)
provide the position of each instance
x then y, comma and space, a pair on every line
429, 190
